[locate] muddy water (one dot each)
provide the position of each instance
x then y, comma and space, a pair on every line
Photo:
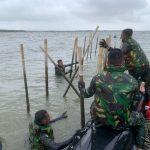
13, 117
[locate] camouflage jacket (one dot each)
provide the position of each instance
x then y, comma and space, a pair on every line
58, 72
115, 94
35, 131
135, 58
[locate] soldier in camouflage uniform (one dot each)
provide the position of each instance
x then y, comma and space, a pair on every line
41, 133
62, 67
116, 97
136, 61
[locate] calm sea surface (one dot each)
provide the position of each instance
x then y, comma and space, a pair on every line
13, 117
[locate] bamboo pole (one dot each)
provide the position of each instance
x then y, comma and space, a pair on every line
91, 47
83, 58
76, 54
105, 55
80, 59
96, 45
25, 78
108, 40
87, 56
73, 54
100, 66
84, 45
61, 72
46, 68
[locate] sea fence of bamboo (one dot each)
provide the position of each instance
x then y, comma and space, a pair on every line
89, 50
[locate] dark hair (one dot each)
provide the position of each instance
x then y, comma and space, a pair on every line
59, 60
115, 57
39, 116
128, 32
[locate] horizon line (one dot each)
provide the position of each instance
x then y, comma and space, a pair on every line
78, 30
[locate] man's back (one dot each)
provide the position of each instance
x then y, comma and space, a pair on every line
134, 55
113, 91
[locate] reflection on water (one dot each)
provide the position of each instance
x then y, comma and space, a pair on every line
13, 118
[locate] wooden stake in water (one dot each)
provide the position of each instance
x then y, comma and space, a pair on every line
25, 78
91, 47
76, 54
84, 45
108, 41
96, 45
87, 49
61, 72
46, 68
100, 66
87, 56
73, 54
80, 59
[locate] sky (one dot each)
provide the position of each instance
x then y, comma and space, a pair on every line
74, 14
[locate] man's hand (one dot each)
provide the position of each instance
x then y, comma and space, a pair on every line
81, 86
142, 87
64, 115
103, 43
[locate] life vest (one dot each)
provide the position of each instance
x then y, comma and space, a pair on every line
34, 131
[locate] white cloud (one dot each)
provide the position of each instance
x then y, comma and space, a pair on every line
77, 14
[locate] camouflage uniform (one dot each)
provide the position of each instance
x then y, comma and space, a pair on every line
115, 93
136, 62
35, 131
58, 72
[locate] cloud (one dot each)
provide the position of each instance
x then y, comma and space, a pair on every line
111, 10
77, 14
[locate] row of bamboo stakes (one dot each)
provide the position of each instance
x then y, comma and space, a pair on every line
86, 52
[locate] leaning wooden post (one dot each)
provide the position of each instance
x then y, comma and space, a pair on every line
80, 59
46, 67
25, 78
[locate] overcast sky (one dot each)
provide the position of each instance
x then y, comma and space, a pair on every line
74, 14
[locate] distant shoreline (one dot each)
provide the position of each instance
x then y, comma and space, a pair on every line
1, 30
5, 30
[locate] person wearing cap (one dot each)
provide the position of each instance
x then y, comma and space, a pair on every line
41, 133
116, 97
136, 61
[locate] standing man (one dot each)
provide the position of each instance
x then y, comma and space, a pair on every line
116, 97
136, 61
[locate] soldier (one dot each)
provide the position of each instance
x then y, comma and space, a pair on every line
41, 133
136, 61
62, 67
116, 96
